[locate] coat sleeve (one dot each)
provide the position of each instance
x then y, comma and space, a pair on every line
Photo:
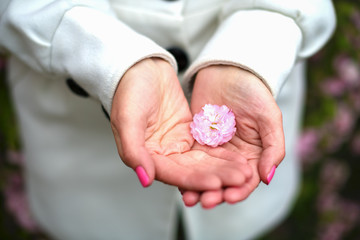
81, 39
267, 37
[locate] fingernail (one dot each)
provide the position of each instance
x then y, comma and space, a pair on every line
143, 177
271, 174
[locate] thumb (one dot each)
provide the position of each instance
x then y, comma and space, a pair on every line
269, 161
273, 153
130, 141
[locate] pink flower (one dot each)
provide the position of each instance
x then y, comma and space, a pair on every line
17, 203
348, 70
334, 87
15, 157
344, 121
355, 19
214, 125
355, 145
307, 145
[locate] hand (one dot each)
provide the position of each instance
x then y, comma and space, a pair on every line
259, 136
150, 119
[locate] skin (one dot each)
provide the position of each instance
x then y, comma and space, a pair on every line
150, 119
259, 137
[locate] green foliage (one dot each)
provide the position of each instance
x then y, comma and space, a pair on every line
8, 128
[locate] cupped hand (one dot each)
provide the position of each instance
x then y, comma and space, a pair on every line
259, 137
150, 119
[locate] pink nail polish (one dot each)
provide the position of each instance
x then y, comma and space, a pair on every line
271, 174
143, 177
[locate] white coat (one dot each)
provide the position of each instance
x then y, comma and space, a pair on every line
78, 187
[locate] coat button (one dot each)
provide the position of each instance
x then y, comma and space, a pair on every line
75, 88
180, 57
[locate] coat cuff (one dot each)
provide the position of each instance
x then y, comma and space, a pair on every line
96, 50
264, 43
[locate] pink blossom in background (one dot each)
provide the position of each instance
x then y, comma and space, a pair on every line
16, 202
348, 70
15, 157
344, 121
345, 213
340, 129
333, 231
355, 145
355, 100
213, 125
333, 87
345, 217
333, 175
327, 201
355, 19
350, 211
307, 145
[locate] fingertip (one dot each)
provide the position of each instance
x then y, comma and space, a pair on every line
212, 183
270, 175
248, 172
268, 164
202, 182
236, 194
144, 167
267, 174
234, 179
211, 199
190, 198
143, 176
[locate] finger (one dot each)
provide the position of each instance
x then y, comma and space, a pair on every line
236, 194
232, 175
190, 198
222, 152
130, 141
240, 162
197, 170
211, 199
169, 171
273, 149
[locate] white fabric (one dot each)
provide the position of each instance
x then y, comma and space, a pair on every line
78, 39
254, 47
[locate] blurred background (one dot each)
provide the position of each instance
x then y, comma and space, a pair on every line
328, 205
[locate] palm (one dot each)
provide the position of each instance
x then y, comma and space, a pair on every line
151, 118
259, 136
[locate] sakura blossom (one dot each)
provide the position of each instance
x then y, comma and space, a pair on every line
214, 125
